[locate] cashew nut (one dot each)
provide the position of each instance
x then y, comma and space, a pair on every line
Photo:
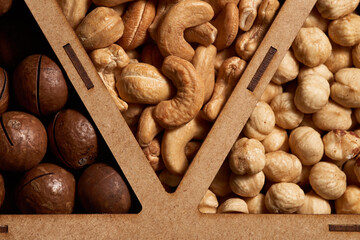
109, 3
152, 153
151, 55
132, 114
204, 34
247, 13
148, 128
218, 5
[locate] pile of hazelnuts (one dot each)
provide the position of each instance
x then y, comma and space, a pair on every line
42, 128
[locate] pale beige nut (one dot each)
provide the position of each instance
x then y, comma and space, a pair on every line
261, 122
218, 5
357, 169
132, 114
308, 122
307, 145
349, 170
345, 31
346, 88
204, 34
228, 76
221, 56
153, 154
282, 167
327, 180
320, 70
74, 10
334, 9
256, 205
220, 184
143, 83
191, 149
341, 145
303, 179
311, 46
332, 116
227, 24
100, 28
247, 185
349, 202
203, 62
288, 69
271, 91
187, 102
340, 58
171, 34
356, 55
312, 93
175, 140
148, 128
316, 20
151, 55
247, 43
284, 198
247, 13
277, 140
169, 179
287, 116
233, 205
108, 62
314, 204
137, 18
208, 203
109, 3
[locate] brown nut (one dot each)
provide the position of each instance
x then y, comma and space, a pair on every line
169, 179
344, 31
277, 140
227, 25
39, 85
271, 91
314, 204
218, 5
23, 141
357, 169
247, 156
307, 145
349, 202
340, 58
189, 97
151, 55
327, 180
282, 167
4, 91
287, 116
191, 149
349, 169
287, 70
332, 116
137, 19
228, 76
220, 184
311, 46
148, 128
331, 9
109, 3
5, 6
209, 203
221, 56
316, 20
247, 185
256, 205
133, 113
170, 33
74, 11
101, 189
233, 205
100, 28
346, 88
73, 139
341, 145
356, 55
46, 189
143, 83
284, 198
247, 13
204, 34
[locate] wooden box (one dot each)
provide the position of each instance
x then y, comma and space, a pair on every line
176, 215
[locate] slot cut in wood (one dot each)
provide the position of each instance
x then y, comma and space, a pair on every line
4, 229
344, 228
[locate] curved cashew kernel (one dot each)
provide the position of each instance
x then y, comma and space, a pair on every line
169, 179
107, 62
148, 128
223, 55
175, 140
137, 19
218, 5
143, 83
152, 153
248, 42
203, 61
189, 97
109, 3
74, 10
151, 55
189, 13
204, 34
227, 24
247, 13
191, 149
229, 74
132, 114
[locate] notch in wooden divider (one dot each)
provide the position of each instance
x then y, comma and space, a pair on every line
262, 68
78, 66
4, 229
344, 228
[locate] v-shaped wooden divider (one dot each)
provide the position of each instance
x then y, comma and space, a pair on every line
174, 215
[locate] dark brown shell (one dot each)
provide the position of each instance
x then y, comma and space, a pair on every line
23, 141
47, 189
2, 190
102, 190
4, 91
39, 85
73, 139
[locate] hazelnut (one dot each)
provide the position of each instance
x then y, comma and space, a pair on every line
39, 85
344, 31
346, 88
340, 58
327, 180
271, 91
256, 205
320, 70
277, 140
307, 145
303, 179
341, 145
73, 139
308, 122
349, 170
101, 189
314, 204
357, 169
47, 188
209, 203
335, 9
23, 141
316, 20
233, 205
284, 198
4, 91
247, 185
220, 184
287, 70
349, 202
356, 55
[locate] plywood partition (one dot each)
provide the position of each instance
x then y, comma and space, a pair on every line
163, 215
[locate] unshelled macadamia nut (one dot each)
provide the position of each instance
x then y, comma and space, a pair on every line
314, 204
247, 185
327, 180
349, 202
341, 145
